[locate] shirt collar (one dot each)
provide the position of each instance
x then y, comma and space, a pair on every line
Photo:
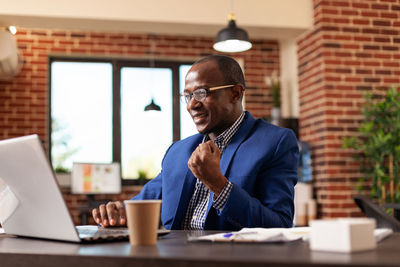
225, 138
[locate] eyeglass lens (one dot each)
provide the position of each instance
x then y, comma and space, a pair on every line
199, 95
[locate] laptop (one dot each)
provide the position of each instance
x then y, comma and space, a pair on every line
31, 203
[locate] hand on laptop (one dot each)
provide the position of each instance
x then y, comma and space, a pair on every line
112, 214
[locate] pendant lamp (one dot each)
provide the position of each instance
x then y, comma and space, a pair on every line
232, 39
152, 105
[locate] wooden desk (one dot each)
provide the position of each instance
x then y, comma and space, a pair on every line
174, 250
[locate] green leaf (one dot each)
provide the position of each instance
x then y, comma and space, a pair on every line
378, 137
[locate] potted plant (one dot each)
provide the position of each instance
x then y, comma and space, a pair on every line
378, 145
142, 177
274, 84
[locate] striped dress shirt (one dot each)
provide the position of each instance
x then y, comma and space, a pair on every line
197, 209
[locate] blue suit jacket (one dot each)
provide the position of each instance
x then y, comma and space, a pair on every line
261, 162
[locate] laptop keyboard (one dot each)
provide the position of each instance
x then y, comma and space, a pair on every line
92, 232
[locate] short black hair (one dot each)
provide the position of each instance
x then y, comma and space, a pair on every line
229, 68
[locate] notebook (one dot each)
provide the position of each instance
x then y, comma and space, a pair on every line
31, 203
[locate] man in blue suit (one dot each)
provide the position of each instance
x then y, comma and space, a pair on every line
237, 172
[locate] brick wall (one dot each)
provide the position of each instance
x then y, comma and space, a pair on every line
354, 48
24, 99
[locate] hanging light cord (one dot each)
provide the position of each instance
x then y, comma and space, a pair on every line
152, 48
152, 105
231, 15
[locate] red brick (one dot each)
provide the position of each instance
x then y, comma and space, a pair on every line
79, 50
389, 32
66, 42
46, 42
58, 50
330, 78
391, 80
341, 20
350, 12
352, 62
351, 46
380, 6
391, 64
371, 63
20, 32
24, 40
341, 37
390, 48
84, 42
362, 38
389, 15
369, 13
78, 35
378, 55
59, 34
361, 21
360, 5
340, 3
382, 40
381, 23
39, 33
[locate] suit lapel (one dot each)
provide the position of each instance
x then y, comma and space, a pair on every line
186, 188
186, 194
230, 150
237, 139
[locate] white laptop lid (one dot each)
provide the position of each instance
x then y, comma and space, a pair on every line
40, 211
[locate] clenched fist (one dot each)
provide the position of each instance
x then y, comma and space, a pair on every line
204, 164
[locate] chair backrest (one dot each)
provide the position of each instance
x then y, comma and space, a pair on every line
372, 210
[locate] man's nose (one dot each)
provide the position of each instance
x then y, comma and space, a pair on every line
193, 103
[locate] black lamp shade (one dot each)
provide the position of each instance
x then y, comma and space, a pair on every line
232, 39
152, 106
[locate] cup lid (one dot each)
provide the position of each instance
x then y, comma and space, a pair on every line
132, 201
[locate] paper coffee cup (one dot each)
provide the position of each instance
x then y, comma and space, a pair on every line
301, 213
142, 219
311, 210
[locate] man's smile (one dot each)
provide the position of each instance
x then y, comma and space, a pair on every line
199, 118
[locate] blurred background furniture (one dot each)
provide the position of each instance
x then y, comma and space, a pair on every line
372, 210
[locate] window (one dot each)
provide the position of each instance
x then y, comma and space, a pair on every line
145, 135
97, 113
188, 128
81, 113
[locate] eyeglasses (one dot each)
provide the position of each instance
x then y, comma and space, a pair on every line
201, 93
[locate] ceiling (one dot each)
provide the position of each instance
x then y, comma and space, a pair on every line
264, 19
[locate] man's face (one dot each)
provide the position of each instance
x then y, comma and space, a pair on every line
213, 114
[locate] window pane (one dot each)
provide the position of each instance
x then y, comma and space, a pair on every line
187, 126
145, 135
81, 112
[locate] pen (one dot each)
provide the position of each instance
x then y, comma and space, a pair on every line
228, 235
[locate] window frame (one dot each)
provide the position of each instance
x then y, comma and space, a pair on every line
117, 65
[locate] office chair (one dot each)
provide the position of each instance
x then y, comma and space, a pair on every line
372, 210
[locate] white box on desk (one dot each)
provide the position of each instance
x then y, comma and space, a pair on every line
343, 235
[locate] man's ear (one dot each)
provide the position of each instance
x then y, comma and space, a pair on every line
237, 92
